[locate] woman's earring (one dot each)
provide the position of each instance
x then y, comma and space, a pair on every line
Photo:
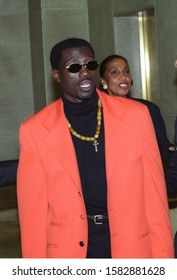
105, 86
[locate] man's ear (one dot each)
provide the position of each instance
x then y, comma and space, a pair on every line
56, 75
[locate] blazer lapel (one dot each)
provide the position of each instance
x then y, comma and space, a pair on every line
60, 142
114, 133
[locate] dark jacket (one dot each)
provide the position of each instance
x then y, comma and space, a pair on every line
171, 173
8, 172
160, 131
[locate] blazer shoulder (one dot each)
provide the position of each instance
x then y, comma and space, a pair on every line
121, 107
149, 104
131, 105
41, 115
117, 101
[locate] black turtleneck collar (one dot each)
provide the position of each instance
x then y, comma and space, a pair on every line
81, 108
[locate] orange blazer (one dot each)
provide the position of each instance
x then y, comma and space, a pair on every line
52, 212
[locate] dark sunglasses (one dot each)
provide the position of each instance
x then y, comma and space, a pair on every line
76, 67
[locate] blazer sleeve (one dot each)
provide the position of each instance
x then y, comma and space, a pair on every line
160, 131
32, 198
171, 176
161, 134
156, 203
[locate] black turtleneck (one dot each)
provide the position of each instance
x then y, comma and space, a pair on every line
83, 118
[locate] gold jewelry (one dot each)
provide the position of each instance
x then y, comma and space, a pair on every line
97, 133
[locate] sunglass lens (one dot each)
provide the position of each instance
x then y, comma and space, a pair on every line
74, 68
92, 65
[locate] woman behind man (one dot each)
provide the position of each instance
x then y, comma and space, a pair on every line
115, 79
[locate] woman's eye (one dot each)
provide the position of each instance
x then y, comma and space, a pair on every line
127, 71
114, 72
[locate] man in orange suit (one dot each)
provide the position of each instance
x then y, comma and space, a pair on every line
90, 179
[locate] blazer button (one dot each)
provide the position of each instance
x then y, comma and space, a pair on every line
81, 243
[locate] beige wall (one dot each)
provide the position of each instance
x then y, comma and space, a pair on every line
101, 27
61, 19
28, 30
166, 30
16, 98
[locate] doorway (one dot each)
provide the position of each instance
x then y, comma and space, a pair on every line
135, 39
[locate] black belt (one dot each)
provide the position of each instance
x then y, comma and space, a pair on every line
98, 219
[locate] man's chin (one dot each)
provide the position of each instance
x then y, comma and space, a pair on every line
84, 95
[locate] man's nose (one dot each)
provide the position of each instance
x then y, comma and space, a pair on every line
84, 70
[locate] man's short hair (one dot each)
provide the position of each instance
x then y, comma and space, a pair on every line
56, 52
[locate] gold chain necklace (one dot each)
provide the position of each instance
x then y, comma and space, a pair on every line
98, 129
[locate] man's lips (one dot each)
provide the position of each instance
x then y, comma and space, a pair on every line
85, 84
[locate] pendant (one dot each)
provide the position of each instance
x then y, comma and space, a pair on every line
95, 143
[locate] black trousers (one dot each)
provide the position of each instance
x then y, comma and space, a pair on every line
98, 240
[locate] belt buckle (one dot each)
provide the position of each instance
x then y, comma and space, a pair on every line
95, 221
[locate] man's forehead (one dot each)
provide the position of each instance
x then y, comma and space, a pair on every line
75, 52
81, 49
